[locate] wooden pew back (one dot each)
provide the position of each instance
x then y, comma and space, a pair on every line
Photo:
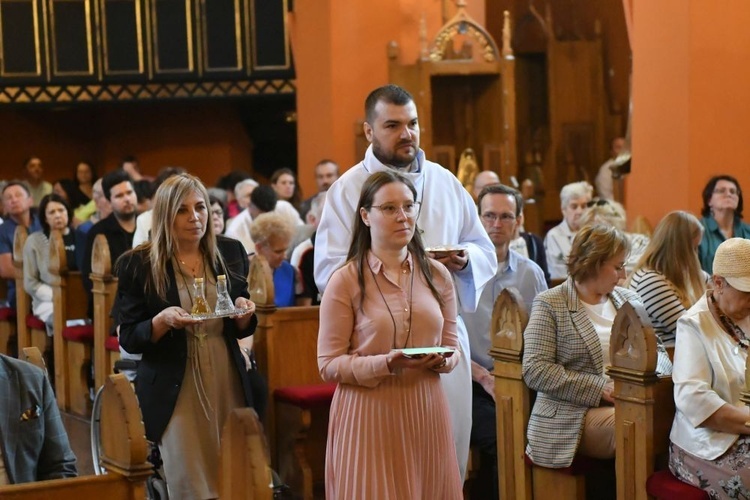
104, 291
124, 449
512, 397
69, 302
23, 301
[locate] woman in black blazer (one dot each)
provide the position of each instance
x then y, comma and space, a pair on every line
192, 373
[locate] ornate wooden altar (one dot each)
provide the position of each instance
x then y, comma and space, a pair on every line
464, 88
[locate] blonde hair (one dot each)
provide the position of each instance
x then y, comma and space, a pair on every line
671, 253
269, 225
605, 212
592, 247
163, 245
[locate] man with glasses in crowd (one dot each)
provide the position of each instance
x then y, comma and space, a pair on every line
500, 212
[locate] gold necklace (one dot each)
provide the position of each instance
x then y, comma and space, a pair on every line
195, 267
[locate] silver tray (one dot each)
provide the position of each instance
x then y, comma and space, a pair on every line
237, 312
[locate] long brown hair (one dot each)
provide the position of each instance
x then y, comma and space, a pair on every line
158, 252
362, 240
671, 253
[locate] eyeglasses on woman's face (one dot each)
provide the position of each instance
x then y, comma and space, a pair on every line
727, 190
409, 208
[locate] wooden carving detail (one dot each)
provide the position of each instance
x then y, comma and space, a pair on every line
467, 169
509, 318
260, 282
101, 260
58, 259
632, 344
462, 28
19, 240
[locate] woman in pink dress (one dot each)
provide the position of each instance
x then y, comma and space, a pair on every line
389, 435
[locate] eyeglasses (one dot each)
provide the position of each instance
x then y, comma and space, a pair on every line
724, 190
491, 217
598, 203
410, 209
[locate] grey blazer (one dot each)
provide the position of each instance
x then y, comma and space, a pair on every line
34, 443
562, 361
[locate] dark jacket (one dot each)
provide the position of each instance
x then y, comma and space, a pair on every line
535, 247
162, 369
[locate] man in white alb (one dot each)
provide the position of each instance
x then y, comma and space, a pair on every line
447, 216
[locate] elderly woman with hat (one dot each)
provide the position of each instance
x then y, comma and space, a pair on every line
710, 444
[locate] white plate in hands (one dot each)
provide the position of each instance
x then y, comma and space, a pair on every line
418, 352
441, 250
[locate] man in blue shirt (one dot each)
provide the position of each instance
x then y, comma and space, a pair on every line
500, 213
17, 202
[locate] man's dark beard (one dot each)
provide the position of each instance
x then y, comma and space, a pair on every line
391, 160
125, 217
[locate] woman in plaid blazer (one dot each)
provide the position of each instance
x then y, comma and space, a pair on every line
566, 347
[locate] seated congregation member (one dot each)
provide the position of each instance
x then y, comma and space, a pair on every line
326, 173
75, 198
143, 221
566, 349
303, 255
33, 442
35, 183
573, 200
263, 199
85, 176
500, 212
710, 442
118, 227
613, 213
390, 434
192, 373
17, 203
668, 277
721, 216
272, 234
531, 246
55, 215
217, 214
285, 185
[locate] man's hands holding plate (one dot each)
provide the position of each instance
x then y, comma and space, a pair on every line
454, 257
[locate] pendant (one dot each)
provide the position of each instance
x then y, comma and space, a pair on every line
201, 337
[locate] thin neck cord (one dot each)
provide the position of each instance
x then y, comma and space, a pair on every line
393, 319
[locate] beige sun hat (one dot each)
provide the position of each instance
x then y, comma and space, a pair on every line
732, 262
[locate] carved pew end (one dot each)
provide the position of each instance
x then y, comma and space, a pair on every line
37, 332
301, 431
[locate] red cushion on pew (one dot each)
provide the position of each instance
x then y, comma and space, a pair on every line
662, 484
306, 396
7, 314
83, 333
112, 344
34, 322
581, 465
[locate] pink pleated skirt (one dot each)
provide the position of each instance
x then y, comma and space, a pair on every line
392, 442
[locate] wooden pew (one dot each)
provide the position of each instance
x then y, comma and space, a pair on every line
34, 356
644, 410
124, 454
285, 345
7, 323
30, 330
72, 343
106, 350
512, 397
244, 472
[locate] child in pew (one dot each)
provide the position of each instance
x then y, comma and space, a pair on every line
55, 214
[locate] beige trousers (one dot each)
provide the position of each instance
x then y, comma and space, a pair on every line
598, 440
